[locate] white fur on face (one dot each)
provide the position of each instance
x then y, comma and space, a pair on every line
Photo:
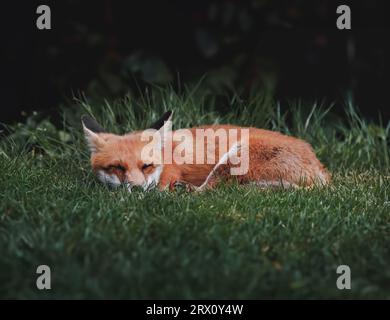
153, 179
110, 179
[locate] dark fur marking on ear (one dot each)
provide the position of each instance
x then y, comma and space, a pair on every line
160, 122
91, 124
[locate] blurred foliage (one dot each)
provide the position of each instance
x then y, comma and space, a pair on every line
107, 48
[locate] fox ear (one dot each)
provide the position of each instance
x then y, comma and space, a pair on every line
167, 117
91, 124
91, 132
164, 128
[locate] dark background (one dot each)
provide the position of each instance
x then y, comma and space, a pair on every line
106, 48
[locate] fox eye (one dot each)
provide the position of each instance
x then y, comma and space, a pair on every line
116, 167
146, 165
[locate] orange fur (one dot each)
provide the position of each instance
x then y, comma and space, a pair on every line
272, 157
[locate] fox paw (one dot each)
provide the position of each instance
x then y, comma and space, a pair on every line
179, 185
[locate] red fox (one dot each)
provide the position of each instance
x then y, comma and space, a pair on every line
197, 158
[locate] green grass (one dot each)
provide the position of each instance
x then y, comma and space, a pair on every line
232, 242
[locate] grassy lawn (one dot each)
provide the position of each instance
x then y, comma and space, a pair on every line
232, 242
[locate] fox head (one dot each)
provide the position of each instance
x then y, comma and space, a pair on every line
120, 159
